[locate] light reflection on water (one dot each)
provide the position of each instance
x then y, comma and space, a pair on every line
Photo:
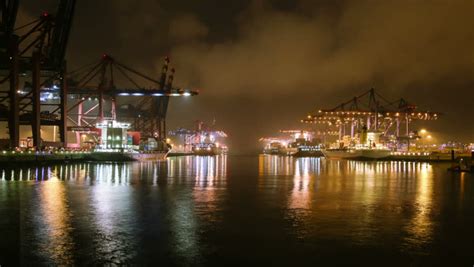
113, 216
105, 202
352, 194
54, 222
194, 210
420, 228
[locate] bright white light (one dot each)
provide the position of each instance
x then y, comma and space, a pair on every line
157, 94
137, 94
124, 94
187, 94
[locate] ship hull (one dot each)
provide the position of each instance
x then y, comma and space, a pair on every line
205, 152
356, 153
294, 152
276, 152
302, 154
125, 156
155, 156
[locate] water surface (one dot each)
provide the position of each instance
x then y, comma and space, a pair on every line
265, 210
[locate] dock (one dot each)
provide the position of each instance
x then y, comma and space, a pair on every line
428, 156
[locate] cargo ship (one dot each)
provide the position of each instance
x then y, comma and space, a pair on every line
357, 153
299, 144
207, 149
304, 146
368, 147
202, 141
131, 155
206, 144
275, 148
118, 144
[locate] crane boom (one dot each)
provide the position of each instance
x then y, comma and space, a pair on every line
63, 22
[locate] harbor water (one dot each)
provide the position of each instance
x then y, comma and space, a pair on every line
237, 211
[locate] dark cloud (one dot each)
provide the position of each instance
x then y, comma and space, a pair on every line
387, 44
187, 28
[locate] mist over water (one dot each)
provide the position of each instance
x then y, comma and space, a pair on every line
236, 210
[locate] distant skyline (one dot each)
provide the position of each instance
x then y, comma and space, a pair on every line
263, 65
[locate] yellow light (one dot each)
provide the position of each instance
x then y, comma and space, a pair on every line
423, 131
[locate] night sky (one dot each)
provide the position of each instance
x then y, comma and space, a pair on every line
261, 66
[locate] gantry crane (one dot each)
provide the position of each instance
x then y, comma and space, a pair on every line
34, 53
373, 111
94, 92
